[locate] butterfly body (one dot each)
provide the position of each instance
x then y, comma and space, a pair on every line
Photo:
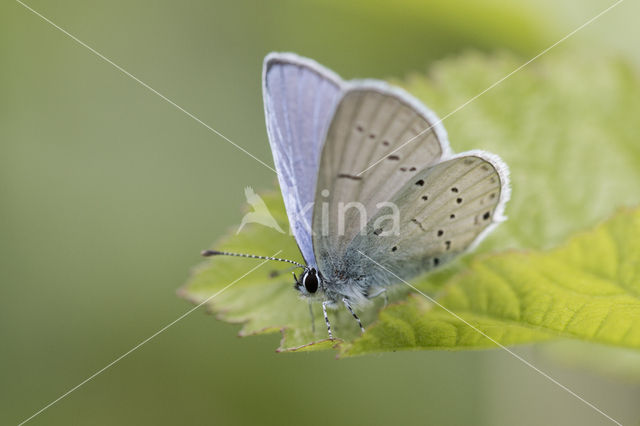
344, 281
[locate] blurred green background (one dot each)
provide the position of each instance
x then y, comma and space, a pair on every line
109, 193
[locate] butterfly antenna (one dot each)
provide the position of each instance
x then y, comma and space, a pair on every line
209, 253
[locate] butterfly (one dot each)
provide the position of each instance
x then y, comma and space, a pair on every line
373, 193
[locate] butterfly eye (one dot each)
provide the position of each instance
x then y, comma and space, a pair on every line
310, 281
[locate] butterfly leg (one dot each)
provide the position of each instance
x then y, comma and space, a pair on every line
326, 318
383, 293
346, 303
313, 323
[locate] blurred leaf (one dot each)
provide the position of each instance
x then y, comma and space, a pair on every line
617, 363
567, 128
587, 289
368, 35
566, 125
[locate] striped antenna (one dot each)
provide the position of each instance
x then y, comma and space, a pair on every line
209, 253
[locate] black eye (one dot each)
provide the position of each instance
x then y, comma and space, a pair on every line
310, 281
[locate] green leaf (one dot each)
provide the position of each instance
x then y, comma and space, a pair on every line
587, 289
567, 127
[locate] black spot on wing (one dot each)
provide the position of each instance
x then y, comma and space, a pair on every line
414, 220
348, 176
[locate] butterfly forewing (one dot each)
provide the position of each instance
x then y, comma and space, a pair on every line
444, 210
299, 98
371, 123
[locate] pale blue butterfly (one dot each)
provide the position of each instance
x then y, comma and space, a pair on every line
373, 193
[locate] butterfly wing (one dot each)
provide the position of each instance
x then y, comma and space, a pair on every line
444, 210
372, 121
299, 99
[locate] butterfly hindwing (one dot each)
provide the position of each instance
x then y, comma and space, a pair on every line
299, 100
372, 122
444, 210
